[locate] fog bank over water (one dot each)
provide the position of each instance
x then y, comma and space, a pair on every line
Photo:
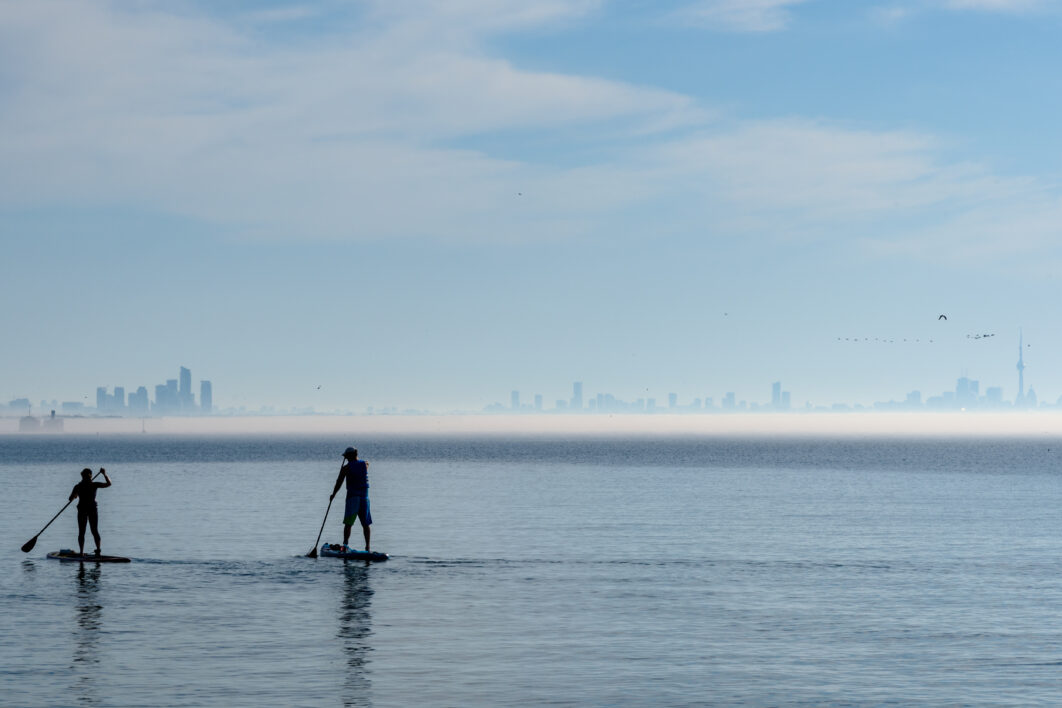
740, 425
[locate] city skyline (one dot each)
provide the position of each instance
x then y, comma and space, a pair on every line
175, 398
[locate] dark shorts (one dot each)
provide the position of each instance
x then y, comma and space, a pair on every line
357, 508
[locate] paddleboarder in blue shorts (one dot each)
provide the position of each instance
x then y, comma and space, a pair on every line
356, 473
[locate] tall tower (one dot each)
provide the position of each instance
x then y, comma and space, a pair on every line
185, 393
1019, 402
206, 397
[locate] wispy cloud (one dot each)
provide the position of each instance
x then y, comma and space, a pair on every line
740, 15
896, 13
347, 137
1011, 6
372, 133
809, 180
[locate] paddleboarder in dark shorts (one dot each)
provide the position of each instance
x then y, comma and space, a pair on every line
85, 493
356, 473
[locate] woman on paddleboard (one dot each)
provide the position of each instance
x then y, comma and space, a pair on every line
85, 493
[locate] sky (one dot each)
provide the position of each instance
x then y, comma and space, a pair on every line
428, 204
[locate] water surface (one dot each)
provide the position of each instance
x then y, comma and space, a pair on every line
539, 571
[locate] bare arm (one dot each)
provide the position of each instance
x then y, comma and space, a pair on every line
339, 479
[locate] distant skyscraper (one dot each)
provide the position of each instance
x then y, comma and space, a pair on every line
185, 393
101, 398
577, 396
206, 397
119, 398
138, 401
672, 401
515, 400
1020, 400
966, 391
161, 394
776, 394
166, 398
994, 396
538, 401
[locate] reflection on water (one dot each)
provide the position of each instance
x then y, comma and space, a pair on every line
355, 630
88, 612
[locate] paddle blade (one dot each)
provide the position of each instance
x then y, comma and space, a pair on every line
311, 554
28, 545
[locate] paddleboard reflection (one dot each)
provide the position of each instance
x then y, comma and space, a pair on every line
89, 620
355, 631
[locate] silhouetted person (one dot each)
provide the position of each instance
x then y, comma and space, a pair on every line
85, 493
356, 473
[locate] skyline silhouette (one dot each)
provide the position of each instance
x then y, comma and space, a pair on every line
176, 398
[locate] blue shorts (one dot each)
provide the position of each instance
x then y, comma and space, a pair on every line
357, 507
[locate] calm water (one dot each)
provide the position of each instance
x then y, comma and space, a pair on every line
539, 572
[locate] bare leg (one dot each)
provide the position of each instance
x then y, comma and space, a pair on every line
368, 533
346, 534
81, 521
94, 525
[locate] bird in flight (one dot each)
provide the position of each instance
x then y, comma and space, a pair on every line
943, 317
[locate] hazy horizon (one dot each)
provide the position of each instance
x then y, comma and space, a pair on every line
863, 424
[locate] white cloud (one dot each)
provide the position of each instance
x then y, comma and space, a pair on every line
1015, 6
741, 15
442, 17
895, 14
347, 138
890, 15
792, 178
358, 137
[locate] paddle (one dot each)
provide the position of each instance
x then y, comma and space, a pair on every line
313, 551
28, 545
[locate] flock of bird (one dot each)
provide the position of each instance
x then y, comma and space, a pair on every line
887, 340
883, 340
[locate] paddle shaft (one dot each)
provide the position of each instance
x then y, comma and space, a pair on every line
323, 521
313, 551
34, 539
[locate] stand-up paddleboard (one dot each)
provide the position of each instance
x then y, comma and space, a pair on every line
68, 555
334, 550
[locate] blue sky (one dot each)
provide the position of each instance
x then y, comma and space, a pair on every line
428, 204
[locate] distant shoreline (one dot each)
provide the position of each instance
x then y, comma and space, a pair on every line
972, 423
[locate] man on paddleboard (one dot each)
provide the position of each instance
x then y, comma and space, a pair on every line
85, 493
356, 473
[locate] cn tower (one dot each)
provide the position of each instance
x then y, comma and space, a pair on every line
1020, 400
